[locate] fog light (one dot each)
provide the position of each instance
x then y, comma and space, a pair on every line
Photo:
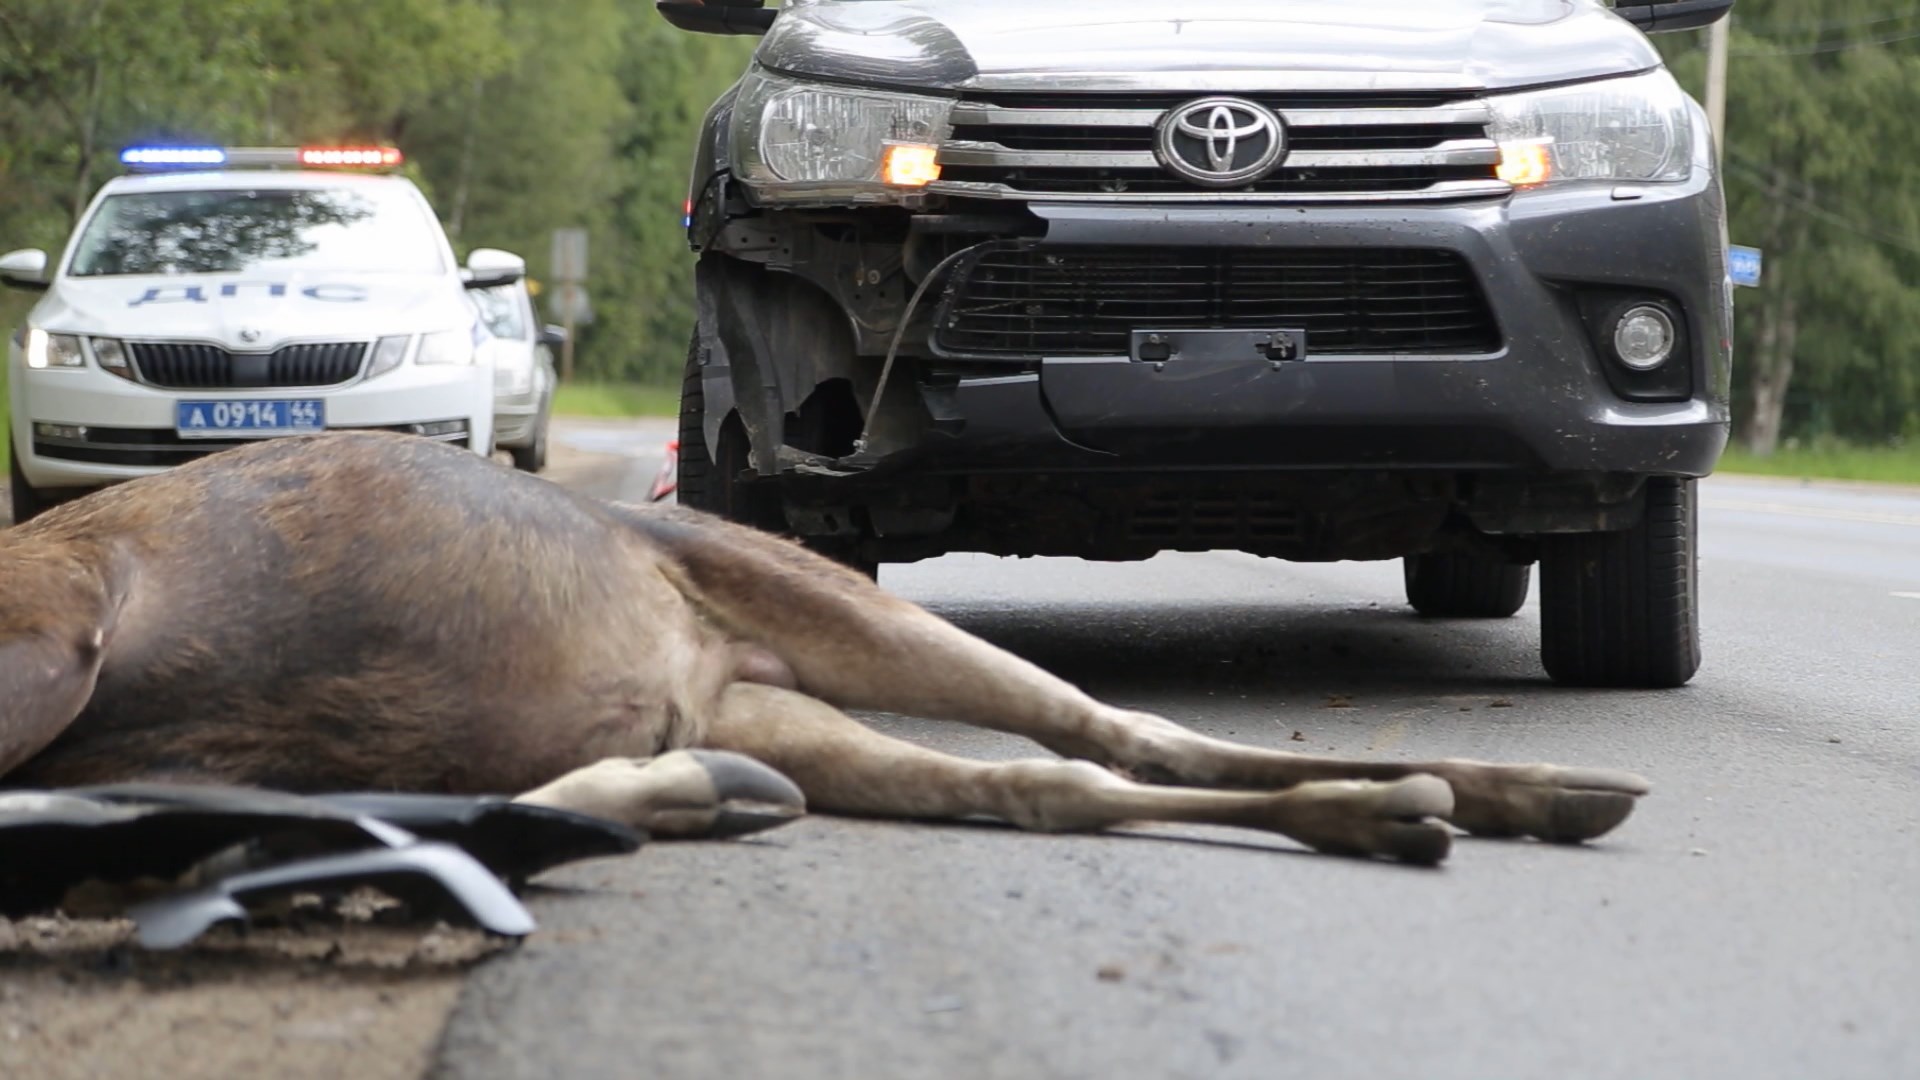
73, 432
439, 428
1643, 338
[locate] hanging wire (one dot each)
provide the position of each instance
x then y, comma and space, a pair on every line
900, 333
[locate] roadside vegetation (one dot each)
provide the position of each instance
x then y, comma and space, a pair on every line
616, 399
1837, 461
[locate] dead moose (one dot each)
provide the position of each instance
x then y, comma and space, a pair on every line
378, 612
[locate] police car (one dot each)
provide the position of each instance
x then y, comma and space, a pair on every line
215, 296
523, 375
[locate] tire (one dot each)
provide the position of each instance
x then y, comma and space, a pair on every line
1465, 585
1623, 608
28, 501
712, 482
695, 467
533, 457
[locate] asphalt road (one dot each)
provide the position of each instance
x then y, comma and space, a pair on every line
1756, 918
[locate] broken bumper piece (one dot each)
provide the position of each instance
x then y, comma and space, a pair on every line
220, 848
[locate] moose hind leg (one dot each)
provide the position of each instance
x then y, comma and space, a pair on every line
682, 794
848, 642
846, 767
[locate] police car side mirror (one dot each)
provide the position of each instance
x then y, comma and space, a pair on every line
553, 336
1663, 18
25, 269
489, 268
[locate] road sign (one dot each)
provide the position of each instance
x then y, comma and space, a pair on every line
569, 255
1743, 265
570, 304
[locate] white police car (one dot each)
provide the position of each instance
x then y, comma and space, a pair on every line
218, 296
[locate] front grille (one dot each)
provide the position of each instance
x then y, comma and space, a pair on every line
1024, 301
1340, 147
192, 366
162, 447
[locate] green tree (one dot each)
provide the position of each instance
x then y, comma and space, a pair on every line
1820, 166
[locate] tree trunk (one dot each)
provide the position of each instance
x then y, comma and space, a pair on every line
457, 221
89, 130
1767, 392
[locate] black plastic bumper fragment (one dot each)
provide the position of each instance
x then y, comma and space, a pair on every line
269, 843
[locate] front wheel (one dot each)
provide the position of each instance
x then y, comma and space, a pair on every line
532, 457
1623, 608
1465, 585
717, 482
28, 501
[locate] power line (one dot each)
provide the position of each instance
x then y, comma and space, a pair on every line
1827, 46
1783, 25
1777, 185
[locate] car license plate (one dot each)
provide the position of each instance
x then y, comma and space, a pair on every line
250, 419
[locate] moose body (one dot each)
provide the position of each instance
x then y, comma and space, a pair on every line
382, 612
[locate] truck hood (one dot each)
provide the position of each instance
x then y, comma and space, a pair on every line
1201, 45
248, 313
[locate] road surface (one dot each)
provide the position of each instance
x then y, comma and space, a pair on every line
1756, 918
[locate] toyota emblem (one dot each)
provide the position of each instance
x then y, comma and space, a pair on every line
1221, 142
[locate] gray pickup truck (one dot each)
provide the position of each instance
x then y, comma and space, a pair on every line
1434, 280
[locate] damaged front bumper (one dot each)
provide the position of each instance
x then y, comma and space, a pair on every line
1540, 394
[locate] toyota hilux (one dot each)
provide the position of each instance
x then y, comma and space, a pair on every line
1441, 281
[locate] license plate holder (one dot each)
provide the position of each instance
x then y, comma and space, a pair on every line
1278, 345
249, 418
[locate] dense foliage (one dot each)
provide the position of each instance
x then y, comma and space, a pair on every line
521, 116
1822, 165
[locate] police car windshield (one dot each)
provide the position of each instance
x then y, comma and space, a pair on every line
232, 231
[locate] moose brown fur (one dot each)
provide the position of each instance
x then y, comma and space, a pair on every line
361, 611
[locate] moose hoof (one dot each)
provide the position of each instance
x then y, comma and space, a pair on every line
1546, 802
1398, 820
749, 796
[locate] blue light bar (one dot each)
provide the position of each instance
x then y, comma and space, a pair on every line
173, 155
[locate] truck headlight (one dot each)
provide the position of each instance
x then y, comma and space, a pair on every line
807, 141
46, 350
1637, 129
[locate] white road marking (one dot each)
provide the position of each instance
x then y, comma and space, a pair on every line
1869, 517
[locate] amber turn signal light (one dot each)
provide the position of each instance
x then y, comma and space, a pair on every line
911, 165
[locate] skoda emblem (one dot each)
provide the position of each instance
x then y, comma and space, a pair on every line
249, 335
1221, 142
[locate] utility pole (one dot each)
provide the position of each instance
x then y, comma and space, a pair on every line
1717, 82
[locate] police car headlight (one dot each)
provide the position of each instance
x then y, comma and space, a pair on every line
513, 379
1637, 128
46, 350
111, 355
800, 141
446, 347
387, 354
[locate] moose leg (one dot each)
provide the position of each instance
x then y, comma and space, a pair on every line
851, 643
682, 794
846, 767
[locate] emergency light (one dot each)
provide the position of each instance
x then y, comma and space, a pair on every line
160, 158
